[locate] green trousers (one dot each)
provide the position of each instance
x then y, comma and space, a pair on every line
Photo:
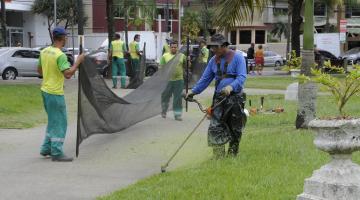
174, 88
118, 69
55, 108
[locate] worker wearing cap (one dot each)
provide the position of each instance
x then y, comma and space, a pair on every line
135, 54
228, 68
176, 83
166, 47
53, 66
117, 50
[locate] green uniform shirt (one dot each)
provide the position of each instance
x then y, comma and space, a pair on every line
134, 48
166, 49
179, 70
204, 55
118, 48
53, 62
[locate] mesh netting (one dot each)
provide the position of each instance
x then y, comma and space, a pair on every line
102, 112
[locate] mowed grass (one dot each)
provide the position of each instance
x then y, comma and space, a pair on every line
273, 162
275, 83
21, 106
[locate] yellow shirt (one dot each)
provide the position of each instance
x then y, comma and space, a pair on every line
53, 62
179, 69
134, 48
118, 48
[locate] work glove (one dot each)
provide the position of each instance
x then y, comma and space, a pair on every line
226, 91
190, 96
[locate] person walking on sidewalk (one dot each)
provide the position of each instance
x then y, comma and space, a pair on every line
259, 60
176, 83
53, 66
116, 53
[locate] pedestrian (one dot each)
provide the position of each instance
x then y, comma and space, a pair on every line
166, 47
116, 53
135, 54
53, 66
202, 60
175, 85
259, 60
250, 58
228, 68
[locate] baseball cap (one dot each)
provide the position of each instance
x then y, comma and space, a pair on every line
218, 40
59, 31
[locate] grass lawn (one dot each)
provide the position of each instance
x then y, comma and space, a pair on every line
273, 162
21, 106
275, 83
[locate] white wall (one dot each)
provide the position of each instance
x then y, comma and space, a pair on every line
37, 25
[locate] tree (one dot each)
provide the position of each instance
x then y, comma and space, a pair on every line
191, 24
279, 29
3, 23
296, 21
46, 8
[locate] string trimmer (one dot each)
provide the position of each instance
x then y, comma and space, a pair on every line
207, 112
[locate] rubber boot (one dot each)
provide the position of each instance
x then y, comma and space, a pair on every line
219, 151
233, 148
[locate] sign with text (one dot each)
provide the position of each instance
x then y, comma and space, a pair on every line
343, 30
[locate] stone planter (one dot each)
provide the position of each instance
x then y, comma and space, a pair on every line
339, 179
294, 72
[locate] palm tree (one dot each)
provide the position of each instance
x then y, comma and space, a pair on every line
279, 29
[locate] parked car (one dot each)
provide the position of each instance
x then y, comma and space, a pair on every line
352, 56
76, 51
273, 59
18, 61
101, 57
67, 53
327, 56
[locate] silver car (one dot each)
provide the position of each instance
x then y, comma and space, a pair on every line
18, 62
272, 59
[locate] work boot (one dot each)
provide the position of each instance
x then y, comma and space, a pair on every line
45, 154
178, 118
62, 158
163, 115
219, 152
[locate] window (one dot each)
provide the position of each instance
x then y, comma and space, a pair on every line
233, 37
23, 54
119, 12
280, 11
173, 14
260, 36
245, 37
35, 54
319, 9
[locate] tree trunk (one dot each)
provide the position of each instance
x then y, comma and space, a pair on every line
288, 34
126, 28
296, 24
110, 21
307, 91
3, 23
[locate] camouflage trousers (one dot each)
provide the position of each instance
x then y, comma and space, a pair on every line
227, 123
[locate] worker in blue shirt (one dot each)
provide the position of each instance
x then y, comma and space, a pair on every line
228, 68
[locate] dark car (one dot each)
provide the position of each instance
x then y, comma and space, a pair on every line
327, 56
352, 56
101, 57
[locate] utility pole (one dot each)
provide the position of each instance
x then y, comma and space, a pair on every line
179, 25
55, 17
3, 22
81, 40
167, 17
126, 28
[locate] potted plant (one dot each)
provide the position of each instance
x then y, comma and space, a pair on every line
338, 136
293, 65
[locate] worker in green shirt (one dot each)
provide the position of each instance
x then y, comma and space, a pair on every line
116, 53
176, 83
166, 47
202, 61
53, 66
135, 55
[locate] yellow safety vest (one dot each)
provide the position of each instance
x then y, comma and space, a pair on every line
53, 78
179, 71
166, 48
133, 51
205, 57
117, 48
